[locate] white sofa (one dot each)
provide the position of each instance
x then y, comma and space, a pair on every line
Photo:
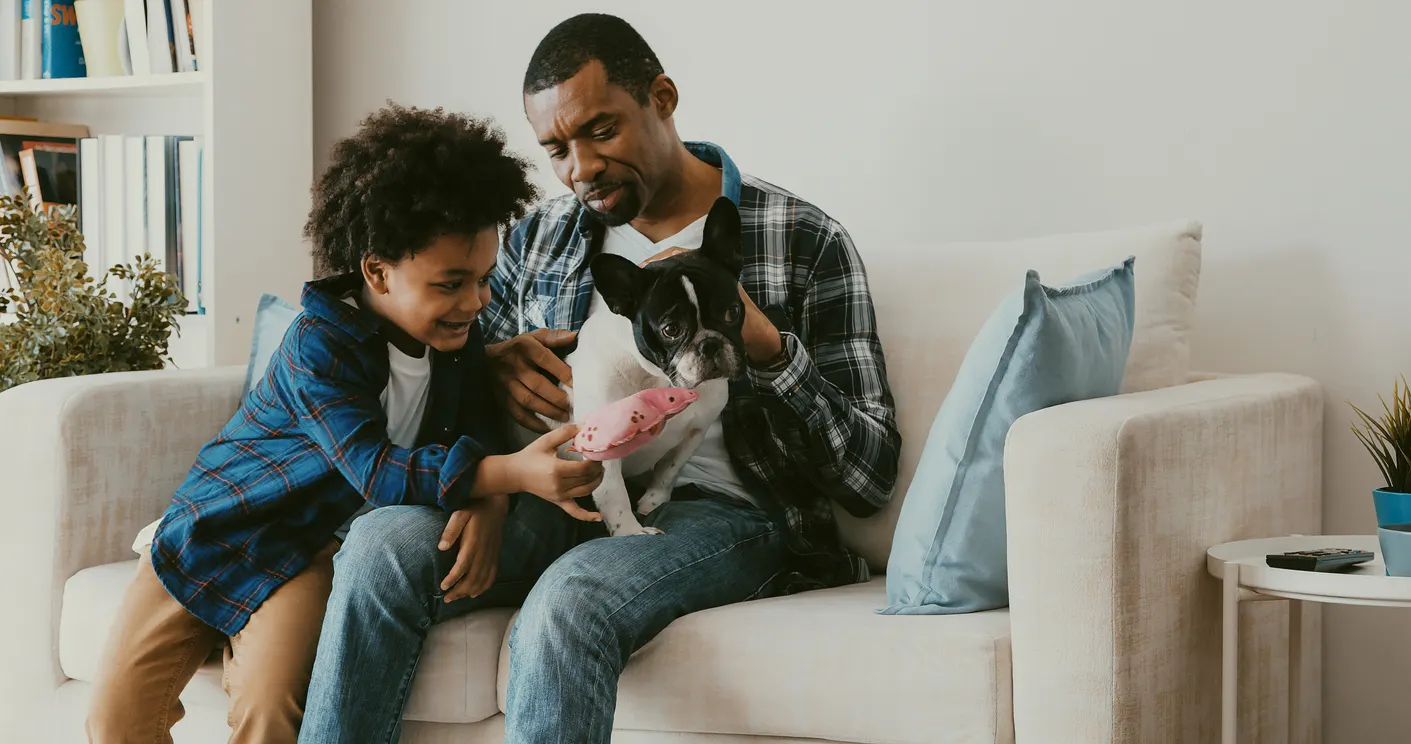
1112, 634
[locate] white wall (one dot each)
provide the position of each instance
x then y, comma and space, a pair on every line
1284, 125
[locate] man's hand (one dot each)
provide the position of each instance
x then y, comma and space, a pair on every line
479, 529
519, 366
763, 344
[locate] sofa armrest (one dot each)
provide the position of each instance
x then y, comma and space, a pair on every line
86, 463
1111, 505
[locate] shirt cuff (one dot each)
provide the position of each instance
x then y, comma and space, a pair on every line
784, 383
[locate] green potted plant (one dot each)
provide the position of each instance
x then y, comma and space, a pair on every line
58, 321
1387, 438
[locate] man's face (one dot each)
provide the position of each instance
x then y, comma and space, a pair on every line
436, 294
604, 145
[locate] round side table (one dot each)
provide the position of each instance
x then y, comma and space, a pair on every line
1246, 577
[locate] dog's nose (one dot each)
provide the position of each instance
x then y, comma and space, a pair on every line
710, 347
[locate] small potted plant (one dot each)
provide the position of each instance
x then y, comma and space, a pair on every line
58, 321
1387, 438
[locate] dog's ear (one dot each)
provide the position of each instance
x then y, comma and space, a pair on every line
619, 281
721, 242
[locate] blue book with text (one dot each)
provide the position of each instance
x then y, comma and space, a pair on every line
62, 50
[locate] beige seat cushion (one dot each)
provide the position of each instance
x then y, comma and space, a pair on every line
822, 664
455, 682
931, 301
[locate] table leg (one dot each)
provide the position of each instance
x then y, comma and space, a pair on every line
1295, 735
1229, 684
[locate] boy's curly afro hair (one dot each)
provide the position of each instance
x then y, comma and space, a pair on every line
409, 176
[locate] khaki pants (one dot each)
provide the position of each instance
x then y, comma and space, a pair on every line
156, 646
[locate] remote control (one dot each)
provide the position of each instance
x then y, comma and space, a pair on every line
1323, 559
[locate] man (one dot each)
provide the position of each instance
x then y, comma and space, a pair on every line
811, 422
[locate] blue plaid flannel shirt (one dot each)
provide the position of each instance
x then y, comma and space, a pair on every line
307, 448
821, 431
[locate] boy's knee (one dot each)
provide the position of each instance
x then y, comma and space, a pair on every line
116, 713
267, 710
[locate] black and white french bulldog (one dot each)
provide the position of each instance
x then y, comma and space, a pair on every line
675, 322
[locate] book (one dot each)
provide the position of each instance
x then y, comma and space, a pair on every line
181, 29
62, 51
135, 23
90, 201
19, 134
189, 246
113, 172
159, 37
10, 39
50, 172
31, 34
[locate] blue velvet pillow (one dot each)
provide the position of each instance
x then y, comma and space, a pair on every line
1042, 347
273, 317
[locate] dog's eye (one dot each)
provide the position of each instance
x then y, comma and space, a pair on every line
670, 331
732, 314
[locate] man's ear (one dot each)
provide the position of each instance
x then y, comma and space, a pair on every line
721, 242
663, 96
619, 281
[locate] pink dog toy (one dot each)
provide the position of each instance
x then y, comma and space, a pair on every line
619, 429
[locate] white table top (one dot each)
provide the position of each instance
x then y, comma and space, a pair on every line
1365, 584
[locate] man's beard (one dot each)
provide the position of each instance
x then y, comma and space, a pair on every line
626, 209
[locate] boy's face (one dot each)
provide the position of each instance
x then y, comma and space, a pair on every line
435, 295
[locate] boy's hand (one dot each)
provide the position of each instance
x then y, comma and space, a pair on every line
479, 528
519, 366
542, 472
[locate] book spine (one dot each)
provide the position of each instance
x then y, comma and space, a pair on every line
10, 42
135, 22
189, 180
159, 44
90, 202
114, 229
31, 40
62, 51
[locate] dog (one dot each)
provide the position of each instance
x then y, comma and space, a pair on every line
675, 322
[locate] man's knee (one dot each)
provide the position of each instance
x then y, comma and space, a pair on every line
394, 543
569, 602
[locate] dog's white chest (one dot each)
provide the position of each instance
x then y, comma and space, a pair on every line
608, 367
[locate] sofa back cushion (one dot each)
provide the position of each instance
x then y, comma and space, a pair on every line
931, 300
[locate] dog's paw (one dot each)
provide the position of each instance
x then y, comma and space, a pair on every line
651, 499
639, 531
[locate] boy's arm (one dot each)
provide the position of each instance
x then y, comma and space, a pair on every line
336, 406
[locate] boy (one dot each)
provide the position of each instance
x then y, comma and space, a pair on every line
377, 395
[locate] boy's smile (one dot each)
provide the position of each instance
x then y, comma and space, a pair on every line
432, 297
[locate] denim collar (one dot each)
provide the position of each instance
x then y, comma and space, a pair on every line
323, 299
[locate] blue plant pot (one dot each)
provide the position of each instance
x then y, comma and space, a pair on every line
1392, 507
1395, 541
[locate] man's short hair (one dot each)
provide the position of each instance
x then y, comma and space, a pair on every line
630, 63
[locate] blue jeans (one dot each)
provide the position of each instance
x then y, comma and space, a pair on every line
588, 601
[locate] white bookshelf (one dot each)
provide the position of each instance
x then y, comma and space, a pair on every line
252, 106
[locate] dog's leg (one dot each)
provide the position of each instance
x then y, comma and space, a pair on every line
616, 506
664, 473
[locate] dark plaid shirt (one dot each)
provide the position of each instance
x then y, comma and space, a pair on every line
821, 430
306, 449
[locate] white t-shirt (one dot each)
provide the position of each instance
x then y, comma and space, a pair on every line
404, 401
710, 468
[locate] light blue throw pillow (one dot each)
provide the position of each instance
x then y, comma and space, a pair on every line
273, 317
1043, 346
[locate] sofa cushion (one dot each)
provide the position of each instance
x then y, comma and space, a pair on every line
455, 682
931, 300
1045, 345
822, 664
